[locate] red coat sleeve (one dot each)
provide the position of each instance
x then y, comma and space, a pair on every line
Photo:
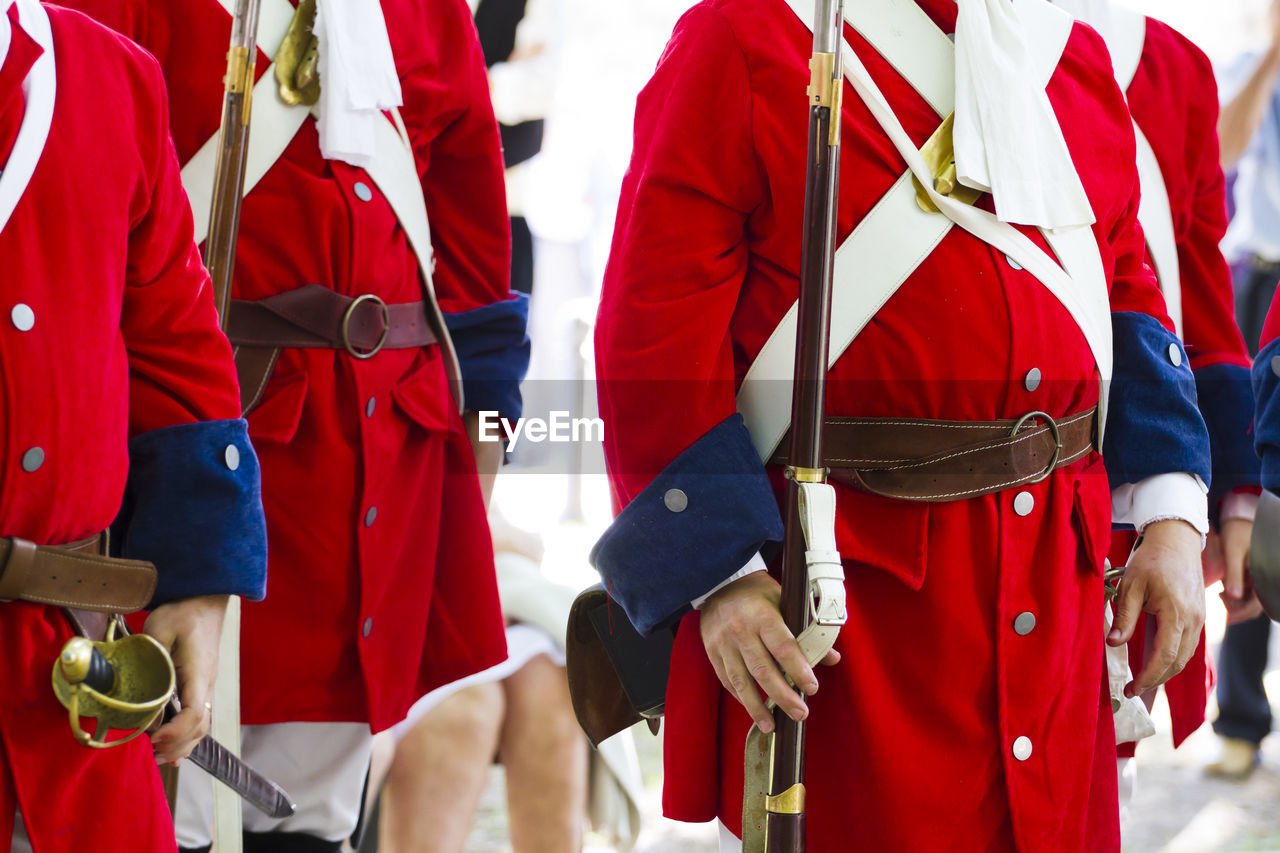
168, 295
450, 119
679, 256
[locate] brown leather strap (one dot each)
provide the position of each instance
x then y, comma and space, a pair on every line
315, 316
924, 460
74, 575
253, 370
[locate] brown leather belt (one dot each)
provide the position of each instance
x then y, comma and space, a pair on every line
924, 460
315, 316
77, 575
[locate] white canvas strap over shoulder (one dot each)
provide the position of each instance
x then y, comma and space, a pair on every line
892, 240
1126, 35
40, 90
1155, 213
274, 124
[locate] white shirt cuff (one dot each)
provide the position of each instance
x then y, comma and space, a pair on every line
755, 564
1161, 498
1238, 505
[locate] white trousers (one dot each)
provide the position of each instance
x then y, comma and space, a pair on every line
322, 766
20, 843
729, 843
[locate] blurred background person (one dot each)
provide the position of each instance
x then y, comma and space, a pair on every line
1249, 133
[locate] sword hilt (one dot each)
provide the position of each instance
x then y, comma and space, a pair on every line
81, 663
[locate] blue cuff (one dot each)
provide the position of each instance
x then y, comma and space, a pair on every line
493, 351
193, 506
1154, 425
1226, 403
696, 524
1266, 415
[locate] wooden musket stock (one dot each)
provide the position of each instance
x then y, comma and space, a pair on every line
785, 820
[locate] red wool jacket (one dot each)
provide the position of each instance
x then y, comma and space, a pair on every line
381, 584
124, 341
911, 735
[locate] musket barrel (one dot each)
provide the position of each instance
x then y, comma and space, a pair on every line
785, 819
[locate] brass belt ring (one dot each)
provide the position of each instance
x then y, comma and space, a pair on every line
1057, 440
345, 336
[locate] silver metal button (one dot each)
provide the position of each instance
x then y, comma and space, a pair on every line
370, 406
23, 317
1022, 748
232, 456
1025, 623
1024, 503
32, 460
1275, 364
368, 627
1012, 262
370, 516
363, 192
1032, 380
1175, 355
676, 500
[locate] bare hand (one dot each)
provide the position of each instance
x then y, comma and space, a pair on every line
1273, 18
1237, 594
749, 644
1164, 579
191, 630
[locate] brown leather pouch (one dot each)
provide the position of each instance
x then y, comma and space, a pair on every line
616, 676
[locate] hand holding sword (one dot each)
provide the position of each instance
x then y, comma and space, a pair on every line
124, 687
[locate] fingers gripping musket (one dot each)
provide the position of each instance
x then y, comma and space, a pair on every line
813, 594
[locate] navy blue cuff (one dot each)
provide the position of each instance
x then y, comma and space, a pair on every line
193, 506
696, 524
1226, 402
1154, 424
1266, 415
493, 351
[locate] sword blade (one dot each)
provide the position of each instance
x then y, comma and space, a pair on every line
256, 789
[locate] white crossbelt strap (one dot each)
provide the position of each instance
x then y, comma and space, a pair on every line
1126, 34
274, 124
868, 271
39, 90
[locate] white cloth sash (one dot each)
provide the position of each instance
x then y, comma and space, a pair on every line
39, 90
891, 241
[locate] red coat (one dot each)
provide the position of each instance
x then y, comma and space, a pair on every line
910, 737
1174, 101
360, 620
125, 341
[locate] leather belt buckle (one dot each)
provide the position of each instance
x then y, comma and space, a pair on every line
1057, 440
345, 334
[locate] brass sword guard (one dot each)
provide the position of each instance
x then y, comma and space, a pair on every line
144, 681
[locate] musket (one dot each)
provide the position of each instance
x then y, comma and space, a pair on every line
233, 153
220, 258
784, 815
